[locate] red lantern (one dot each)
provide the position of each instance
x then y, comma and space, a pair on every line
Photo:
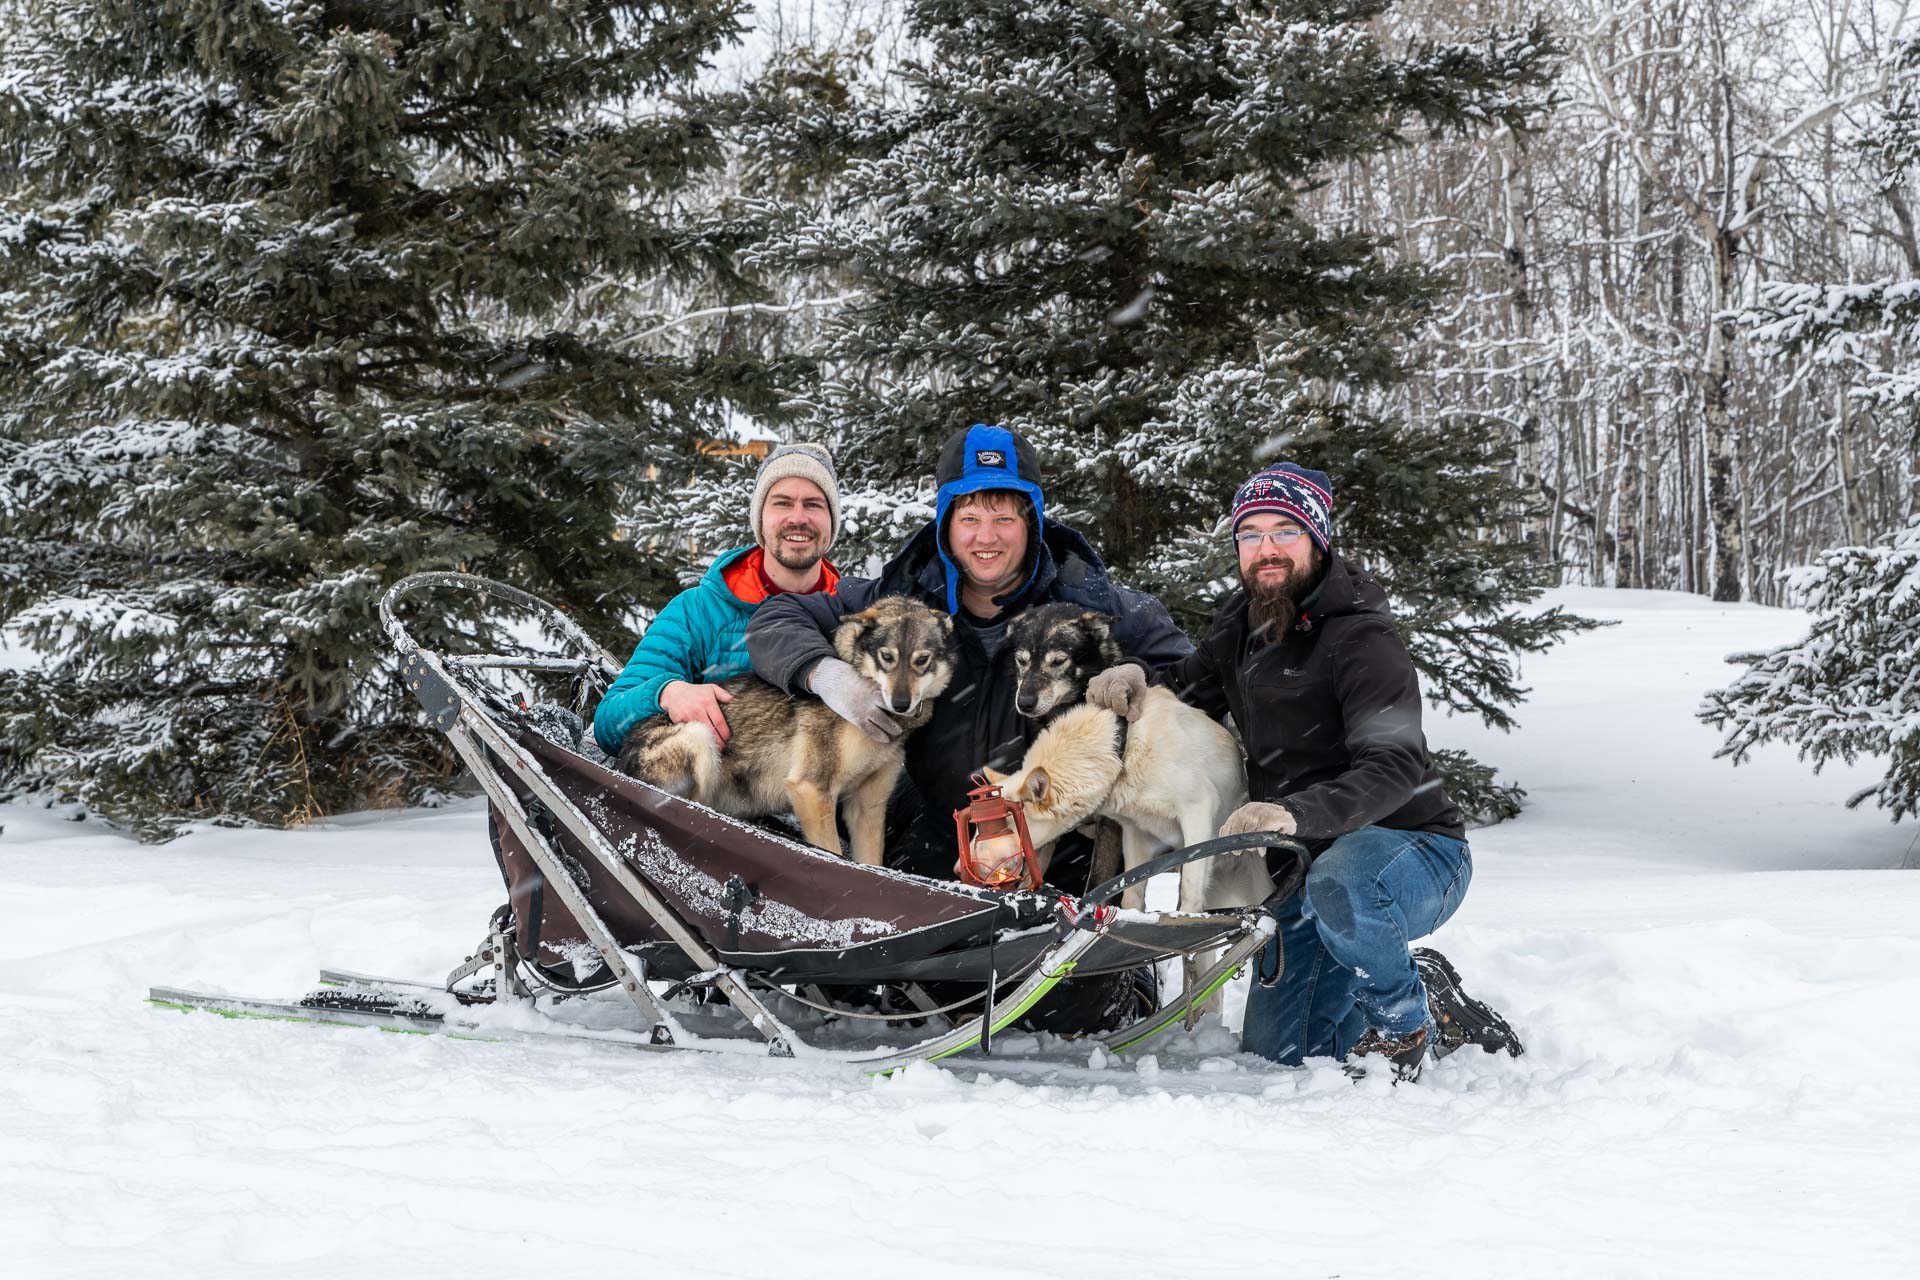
998, 854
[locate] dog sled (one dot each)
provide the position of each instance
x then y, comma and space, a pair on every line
638, 918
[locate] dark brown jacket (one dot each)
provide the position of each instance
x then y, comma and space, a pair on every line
1329, 712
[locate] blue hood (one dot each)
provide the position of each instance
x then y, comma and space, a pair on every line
989, 460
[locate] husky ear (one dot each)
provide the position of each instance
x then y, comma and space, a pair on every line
1039, 785
1100, 627
993, 775
846, 637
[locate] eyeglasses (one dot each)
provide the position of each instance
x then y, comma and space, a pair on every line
1281, 537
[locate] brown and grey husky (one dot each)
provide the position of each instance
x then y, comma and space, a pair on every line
794, 752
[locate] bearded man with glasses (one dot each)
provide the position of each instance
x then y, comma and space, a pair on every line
1306, 658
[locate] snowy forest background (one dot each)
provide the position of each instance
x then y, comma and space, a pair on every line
297, 297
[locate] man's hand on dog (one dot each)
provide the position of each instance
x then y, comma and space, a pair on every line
686, 703
854, 698
1257, 815
1121, 690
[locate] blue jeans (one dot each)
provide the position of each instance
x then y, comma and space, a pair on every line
1345, 939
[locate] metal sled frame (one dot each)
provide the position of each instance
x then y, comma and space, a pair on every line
457, 707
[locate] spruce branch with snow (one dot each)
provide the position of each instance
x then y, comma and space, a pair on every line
1851, 687
1867, 331
296, 299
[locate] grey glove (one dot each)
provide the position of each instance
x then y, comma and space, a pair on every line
854, 698
1257, 815
1121, 690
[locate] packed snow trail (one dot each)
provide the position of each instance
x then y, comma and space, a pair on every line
1714, 971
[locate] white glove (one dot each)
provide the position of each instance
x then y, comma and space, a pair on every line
854, 698
1257, 815
1121, 690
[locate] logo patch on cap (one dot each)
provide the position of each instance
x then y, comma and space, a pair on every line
989, 458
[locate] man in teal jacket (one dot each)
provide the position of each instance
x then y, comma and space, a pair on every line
699, 639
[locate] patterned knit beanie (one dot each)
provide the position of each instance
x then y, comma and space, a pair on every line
809, 462
1293, 491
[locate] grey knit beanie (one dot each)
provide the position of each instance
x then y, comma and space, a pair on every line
809, 462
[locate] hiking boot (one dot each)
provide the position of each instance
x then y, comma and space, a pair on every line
1407, 1053
1461, 1019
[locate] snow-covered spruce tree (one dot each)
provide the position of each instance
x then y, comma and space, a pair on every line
298, 297
1080, 221
1851, 687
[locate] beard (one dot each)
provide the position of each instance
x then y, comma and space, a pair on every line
1273, 603
796, 558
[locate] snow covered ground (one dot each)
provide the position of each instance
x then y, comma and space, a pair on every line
1716, 972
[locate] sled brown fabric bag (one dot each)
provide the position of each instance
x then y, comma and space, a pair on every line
752, 896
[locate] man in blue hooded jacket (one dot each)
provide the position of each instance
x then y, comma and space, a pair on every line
989, 555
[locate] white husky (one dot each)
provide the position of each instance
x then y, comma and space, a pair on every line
1179, 778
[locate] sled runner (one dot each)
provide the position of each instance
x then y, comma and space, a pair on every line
635, 917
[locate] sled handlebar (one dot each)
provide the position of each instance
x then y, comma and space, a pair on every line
554, 617
1287, 884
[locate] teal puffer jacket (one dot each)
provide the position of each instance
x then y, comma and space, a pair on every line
700, 637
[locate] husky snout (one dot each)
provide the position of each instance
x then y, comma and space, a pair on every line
1045, 693
902, 697
911, 683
